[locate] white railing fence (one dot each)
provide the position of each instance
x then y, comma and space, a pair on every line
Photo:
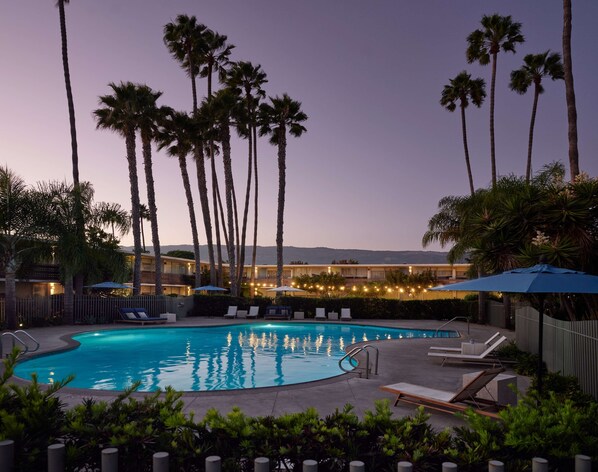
160, 462
570, 347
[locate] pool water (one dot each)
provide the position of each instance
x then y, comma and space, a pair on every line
209, 358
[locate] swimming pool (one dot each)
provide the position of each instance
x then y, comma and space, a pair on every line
209, 358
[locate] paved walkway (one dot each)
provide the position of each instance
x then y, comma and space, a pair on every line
402, 360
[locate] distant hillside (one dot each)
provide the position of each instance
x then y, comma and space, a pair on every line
325, 255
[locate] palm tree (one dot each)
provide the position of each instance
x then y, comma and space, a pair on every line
69, 92
220, 108
499, 32
119, 114
175, 137
535, 68
247, 80
462, 89
144, 215
570, 91
19, 225
149, 115
214, 58
281, 115
184, 40
115, 217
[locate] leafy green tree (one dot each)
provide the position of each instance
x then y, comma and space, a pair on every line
20, 222
570, 91
119, 113
278, 117
182, 254
463, 89
312, 283
534, 69
247, 80
499, 32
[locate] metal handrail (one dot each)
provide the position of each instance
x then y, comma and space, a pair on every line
356, 350
466, 318
14, 337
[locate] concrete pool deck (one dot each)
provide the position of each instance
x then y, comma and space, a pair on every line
403, 360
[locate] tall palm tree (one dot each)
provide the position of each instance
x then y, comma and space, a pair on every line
282, 114
220, 108
149, 115
19, 225
118, 113
535, 68
247, 80
462, 89
184, 39
214, 58
69, 92
570, 91
115, 217
499, 32
175, 137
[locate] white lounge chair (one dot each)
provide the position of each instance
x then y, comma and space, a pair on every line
232, 312
320, 314
254, 312
483, 357
448, 401
488, 342
346, 314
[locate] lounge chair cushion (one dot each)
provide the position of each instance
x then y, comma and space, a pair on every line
130, 315
142, 314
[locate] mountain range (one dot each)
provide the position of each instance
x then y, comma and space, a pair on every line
266, 255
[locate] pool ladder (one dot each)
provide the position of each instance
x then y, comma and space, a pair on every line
20, 337
466, 318
356, 350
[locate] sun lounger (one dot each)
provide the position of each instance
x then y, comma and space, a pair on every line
483, 357
231, 313
346, 314
450, 402
320, 314
138, 316
278, 312
488, 342
254, 312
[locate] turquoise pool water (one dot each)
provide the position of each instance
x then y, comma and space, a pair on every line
209, 358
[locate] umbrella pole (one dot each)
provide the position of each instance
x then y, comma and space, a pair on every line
540, 342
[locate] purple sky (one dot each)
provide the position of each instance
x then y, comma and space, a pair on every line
379, 151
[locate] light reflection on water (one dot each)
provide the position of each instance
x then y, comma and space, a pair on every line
210, 358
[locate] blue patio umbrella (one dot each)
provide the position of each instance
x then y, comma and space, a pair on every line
109, 286
539, 279
210, 288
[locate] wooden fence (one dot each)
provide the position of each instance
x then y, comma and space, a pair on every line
569, 347
160, 462
44, 311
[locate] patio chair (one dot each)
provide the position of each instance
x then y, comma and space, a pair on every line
488, 342
232, 312
483, 357
449, 402
138, 316
320, 314
254, 312
346, 314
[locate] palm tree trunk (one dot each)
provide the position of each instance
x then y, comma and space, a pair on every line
205, 207
153, 211
229, 184
570, 91
215, 198
241, 260
528, 170
142, 232
68, 299
192, 220
134, 182
282, 148
10, 307
492, 145
467, 163
255, 210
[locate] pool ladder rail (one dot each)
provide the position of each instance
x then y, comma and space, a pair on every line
466, 318
23, 338
353, 353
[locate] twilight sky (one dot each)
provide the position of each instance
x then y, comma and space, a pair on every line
379, 151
